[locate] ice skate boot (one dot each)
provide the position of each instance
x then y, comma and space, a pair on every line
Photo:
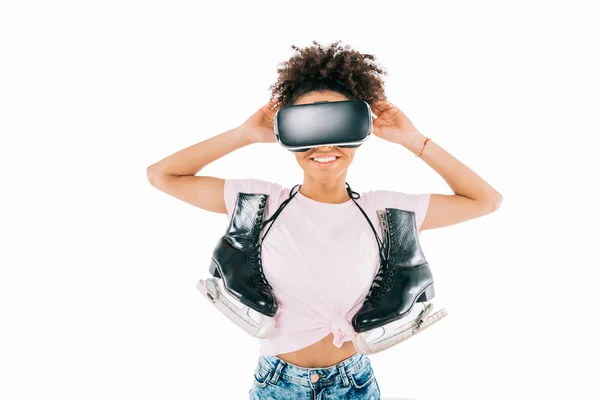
238, 287
397, 306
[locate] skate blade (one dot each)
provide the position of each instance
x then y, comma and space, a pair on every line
251, 321
366, 344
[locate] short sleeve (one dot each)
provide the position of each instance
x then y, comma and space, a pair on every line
417, 203
234, 186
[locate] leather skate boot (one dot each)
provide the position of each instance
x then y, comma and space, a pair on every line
238, 287
404, 276
236, 258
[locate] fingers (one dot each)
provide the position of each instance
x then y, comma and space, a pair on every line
380, 106
386, 110
273, 103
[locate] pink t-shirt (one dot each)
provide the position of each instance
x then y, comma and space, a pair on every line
320, 259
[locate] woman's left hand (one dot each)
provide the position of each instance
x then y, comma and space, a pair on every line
391, 124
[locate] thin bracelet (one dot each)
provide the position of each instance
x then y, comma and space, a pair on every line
424, 144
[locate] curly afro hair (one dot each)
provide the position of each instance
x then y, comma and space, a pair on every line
336, 68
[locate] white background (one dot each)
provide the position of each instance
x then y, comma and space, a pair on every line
98, 295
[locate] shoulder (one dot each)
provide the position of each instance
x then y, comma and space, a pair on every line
249, 185
396, 199
415, 202
273, 190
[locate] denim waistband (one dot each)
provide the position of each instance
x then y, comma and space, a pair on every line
280, 369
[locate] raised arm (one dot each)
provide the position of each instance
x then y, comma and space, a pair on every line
176, 174
473, 197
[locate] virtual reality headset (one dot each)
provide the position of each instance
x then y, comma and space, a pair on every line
345, 123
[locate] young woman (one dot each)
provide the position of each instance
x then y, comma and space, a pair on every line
321, 256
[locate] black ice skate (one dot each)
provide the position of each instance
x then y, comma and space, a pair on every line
390, 313
239, 288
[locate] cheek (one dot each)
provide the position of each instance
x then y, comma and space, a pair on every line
303, 162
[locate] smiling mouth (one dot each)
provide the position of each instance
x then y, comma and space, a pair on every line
330, 161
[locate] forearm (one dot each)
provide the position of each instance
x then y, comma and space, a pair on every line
461, 179
193, 158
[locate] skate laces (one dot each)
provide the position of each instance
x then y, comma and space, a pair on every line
379, 286
380, 282
279, 210
258, 279
353, 195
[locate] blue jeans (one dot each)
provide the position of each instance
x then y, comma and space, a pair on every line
276, 379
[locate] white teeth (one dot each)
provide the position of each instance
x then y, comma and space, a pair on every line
324, 159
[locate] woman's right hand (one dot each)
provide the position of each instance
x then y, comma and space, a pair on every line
259, 127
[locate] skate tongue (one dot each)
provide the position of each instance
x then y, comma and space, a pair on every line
341, 329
